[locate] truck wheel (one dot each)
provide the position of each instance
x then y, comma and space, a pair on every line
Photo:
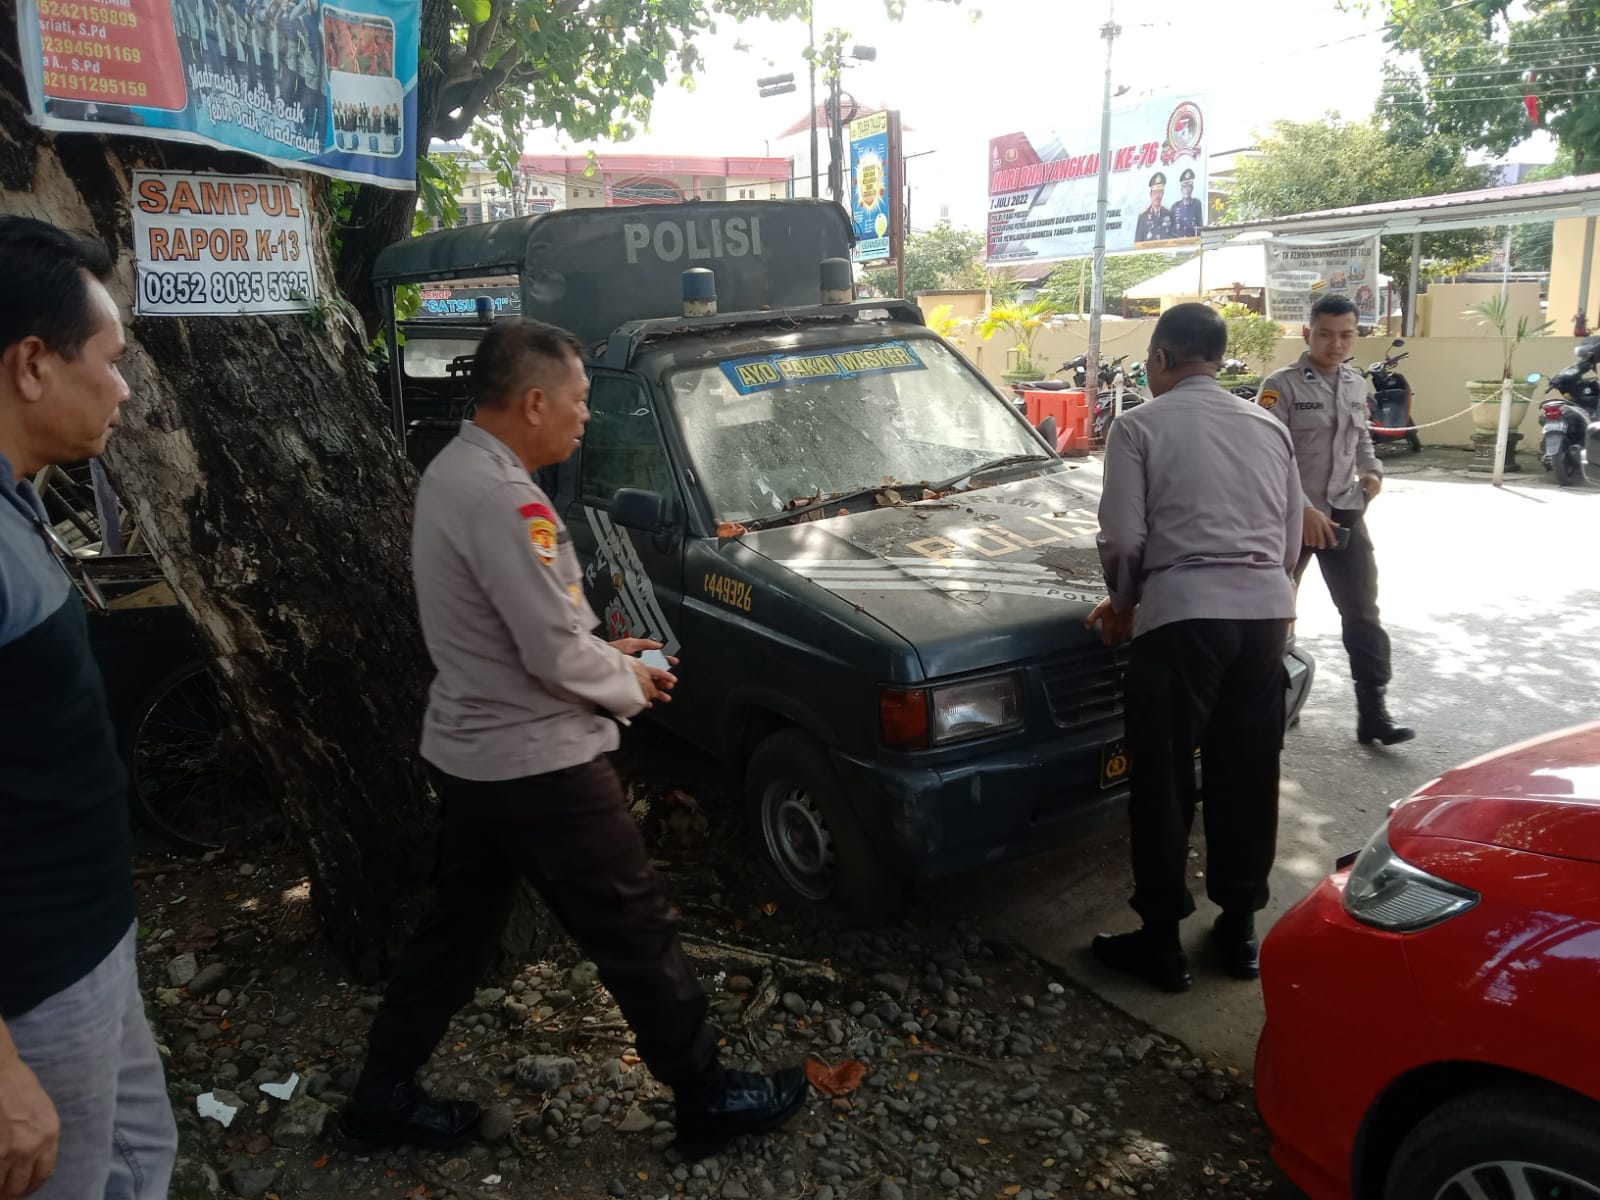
808, 836
1500, 1142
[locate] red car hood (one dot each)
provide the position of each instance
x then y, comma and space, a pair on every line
1541, 796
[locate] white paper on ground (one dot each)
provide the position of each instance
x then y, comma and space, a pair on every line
210, 1107
281, 1091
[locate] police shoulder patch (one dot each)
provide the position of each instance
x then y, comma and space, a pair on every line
1267, 398
542, 534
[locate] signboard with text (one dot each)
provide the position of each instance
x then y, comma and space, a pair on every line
1044, 184
220, 245
319, 87
872, 183
1299, 273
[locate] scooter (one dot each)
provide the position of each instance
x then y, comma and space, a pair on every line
1569, 422
1078, 367
1389, 405
1112, 381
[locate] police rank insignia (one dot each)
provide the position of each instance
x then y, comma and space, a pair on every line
1268, 398
541, 531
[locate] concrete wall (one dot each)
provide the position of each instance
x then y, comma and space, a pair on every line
966, 304
1566, 274
1438, 368
1442, 309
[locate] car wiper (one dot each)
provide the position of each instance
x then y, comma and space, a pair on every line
1011, 460
835, 498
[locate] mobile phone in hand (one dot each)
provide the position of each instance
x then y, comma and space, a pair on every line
656, 659
1341, 537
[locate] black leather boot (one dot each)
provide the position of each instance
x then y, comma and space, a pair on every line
735, 1103
403, 1115
1233, 939
1373, 723
1156, 958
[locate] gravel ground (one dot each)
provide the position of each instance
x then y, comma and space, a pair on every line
984, 1073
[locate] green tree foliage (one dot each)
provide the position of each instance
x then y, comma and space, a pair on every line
1332, 163
1068, 289
493, 71
1252, 338
943, 259
1470, 68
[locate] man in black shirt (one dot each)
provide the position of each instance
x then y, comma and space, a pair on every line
83, 1105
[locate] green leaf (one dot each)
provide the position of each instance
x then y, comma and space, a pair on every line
473, 12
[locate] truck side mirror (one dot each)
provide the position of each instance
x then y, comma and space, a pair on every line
636, 508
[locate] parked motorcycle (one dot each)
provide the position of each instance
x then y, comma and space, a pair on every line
1389, 404
1113, 380
1569, 422
1076, 367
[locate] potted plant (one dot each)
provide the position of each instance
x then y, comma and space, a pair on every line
1022, 323
1252, 340
1485, 393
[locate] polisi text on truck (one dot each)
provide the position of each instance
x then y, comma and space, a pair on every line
673, 241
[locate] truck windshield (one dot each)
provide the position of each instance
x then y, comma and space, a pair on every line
771, 432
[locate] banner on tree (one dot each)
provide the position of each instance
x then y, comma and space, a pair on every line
1044, 185
1299, 272
220, 245
317, 87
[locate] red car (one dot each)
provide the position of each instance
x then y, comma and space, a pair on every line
1433, 1007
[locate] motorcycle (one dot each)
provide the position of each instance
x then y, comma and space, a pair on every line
1389, 404
1569, 422
1077, 367
1112, 381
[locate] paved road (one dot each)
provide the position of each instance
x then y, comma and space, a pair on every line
1492, 598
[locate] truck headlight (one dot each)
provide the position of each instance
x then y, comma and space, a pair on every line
1387, 892
965, 710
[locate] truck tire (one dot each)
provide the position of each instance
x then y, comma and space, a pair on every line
1504, 1142
808, 837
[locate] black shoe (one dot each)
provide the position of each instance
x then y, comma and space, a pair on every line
1134, 954
404, 1116
1236, 948
736, 1103
1373, 723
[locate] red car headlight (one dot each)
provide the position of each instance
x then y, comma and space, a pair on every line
1387, 892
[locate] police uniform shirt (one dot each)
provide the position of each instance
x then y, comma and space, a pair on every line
1327, 417
1200, 511
521, 679
1186, 218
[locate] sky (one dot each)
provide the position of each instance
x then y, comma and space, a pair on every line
1028, 65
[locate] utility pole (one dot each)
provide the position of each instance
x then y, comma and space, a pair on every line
811, 57
1097, 303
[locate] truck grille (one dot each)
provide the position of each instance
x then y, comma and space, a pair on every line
1085, 687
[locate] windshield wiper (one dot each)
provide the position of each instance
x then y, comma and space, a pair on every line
835, 498
1010, 460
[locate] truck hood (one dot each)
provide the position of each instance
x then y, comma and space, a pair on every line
975, 580
1540, 796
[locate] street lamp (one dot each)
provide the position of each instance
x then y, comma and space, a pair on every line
776, 85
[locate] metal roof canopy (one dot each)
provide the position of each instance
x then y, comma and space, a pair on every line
1514, 204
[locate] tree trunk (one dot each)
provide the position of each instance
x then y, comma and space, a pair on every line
257, 459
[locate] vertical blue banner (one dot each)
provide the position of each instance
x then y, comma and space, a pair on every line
871, 186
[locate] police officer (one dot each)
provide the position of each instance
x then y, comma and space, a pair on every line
1155, 222
515, 737
1323, 401
1187, 214
1199, 533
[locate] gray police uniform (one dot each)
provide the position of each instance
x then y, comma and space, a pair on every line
1200, 521
1327, 417
516, 735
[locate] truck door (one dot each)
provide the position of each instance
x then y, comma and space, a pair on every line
634, 580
